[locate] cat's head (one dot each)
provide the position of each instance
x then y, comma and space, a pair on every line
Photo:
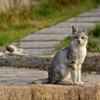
18, 45
80, 37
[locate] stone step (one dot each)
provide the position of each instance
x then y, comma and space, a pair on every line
15, 76
39, 52
39, 44
24, 76
79, 25
51, 31
42, 37
89, 14
95, 10
19, 89
85, 20
64, 27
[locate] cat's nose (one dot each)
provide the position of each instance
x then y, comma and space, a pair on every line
78, 41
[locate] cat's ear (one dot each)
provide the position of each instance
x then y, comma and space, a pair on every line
87, 31
18, 42
73, 29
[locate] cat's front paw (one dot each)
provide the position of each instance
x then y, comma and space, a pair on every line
81, 83
75, 83
69, 83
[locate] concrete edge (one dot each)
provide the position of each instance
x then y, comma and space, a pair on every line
91, 62
50, 92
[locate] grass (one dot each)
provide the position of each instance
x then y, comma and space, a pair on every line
96, 31
87, 70
20, 22
93, 41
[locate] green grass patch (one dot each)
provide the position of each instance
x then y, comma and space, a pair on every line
88, 69
95, 31
64, 43
20, 22
94, 39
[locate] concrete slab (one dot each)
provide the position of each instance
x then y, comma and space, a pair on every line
36, 37
41, 31
39, 51
20, 76
79, 25
53, 30
89, 14
85, 19
96, 10
39, 44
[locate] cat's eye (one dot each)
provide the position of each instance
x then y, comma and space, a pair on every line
82, 37
76, 37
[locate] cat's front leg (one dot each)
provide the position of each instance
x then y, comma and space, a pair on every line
79, 75
73, 70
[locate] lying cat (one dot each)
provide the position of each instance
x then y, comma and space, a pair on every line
68, 61
16, 50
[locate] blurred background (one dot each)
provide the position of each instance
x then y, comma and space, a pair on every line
19, 18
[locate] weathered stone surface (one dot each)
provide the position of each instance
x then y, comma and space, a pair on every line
25, 61
50, 92
85, 19
11, 76
39, 51
51, 38
41, 44
96, 10
89, 14
53, 30
15, 93
77, 25
92, 60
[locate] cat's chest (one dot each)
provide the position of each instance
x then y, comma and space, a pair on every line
79, 55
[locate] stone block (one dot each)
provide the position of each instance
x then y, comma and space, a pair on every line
85, 20
78, 25
30, 45
36, 37
89, 14
53, 30
50, 92
39, 51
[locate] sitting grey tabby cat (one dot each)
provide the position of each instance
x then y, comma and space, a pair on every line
68, 61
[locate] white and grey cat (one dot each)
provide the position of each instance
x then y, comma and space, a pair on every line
68, 61
13, 50
16, 50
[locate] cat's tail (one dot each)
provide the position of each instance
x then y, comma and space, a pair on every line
40, 81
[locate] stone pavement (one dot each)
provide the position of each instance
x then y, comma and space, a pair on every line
44, 41
10, 76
